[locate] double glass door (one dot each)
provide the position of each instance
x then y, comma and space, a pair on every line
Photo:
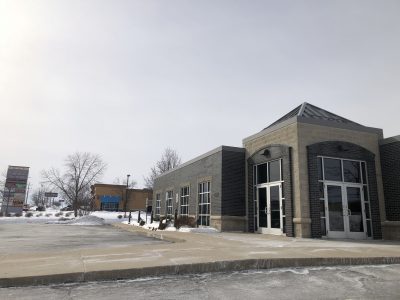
344, 205
270, 209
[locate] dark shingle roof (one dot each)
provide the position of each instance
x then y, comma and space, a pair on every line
307, 110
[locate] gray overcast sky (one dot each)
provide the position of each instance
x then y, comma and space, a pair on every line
125, 79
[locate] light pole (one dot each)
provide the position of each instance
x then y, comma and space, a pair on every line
126, 194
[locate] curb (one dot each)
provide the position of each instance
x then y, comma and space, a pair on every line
198, 268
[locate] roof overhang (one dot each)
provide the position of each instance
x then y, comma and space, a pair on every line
299, 119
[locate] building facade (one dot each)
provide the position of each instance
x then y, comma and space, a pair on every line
112, 197
390, 158
312, 174
209, 188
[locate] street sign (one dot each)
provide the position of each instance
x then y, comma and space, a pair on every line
15, 189
51, 195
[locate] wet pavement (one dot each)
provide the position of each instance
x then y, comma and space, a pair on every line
346, 282
35, 254
31, 238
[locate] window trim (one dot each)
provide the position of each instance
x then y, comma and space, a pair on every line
184, 197
169, 208
255, 172
364, 186
158, 205
199, 203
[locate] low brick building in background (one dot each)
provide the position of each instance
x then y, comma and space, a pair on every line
311, 173
111, 197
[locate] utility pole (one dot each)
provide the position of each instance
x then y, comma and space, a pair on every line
27, 193
126, 194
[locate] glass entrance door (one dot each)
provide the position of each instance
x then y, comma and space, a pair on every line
355, 213
345, 213
270, 209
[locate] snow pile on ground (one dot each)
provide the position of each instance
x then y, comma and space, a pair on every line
113, 216
149, 226
109, 215
171, 227
87, 221
83, 221
198, 230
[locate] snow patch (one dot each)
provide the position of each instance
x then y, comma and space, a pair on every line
198, 230
83, 221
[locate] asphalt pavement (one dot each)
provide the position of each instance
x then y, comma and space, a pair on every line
36, 238
35, 254
345, 282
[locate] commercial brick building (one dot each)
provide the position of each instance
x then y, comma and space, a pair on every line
112, 197
310, 174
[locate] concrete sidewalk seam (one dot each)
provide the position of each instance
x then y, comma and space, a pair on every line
195, 268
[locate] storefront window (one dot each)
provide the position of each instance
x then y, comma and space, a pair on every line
274, 171
351, 171
333, 169
262, 173
269, 172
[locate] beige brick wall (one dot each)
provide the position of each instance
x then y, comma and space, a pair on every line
298, 136
106, 190
287, 135
136, 198
310, 134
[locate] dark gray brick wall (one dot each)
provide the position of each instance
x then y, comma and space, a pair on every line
275, 152
390, 161
347, 151
233, 183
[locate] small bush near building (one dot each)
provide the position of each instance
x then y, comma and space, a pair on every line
39, 215
28, 214
18, 215
119, 216
63, 219
48, 215
8, 215
142, 222
67, 214
1, 214
163, 223
59, 214
185, 221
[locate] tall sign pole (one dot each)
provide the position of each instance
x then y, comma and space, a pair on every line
126, 194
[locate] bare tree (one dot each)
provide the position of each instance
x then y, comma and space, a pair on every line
169, 160
38, 197
81, 170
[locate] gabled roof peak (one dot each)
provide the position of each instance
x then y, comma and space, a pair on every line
309, 111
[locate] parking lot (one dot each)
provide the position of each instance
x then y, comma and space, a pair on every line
346, 282
30, 238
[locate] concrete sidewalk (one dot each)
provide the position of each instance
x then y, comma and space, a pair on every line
187, 253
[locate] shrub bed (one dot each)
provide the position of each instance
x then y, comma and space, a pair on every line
185, 221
